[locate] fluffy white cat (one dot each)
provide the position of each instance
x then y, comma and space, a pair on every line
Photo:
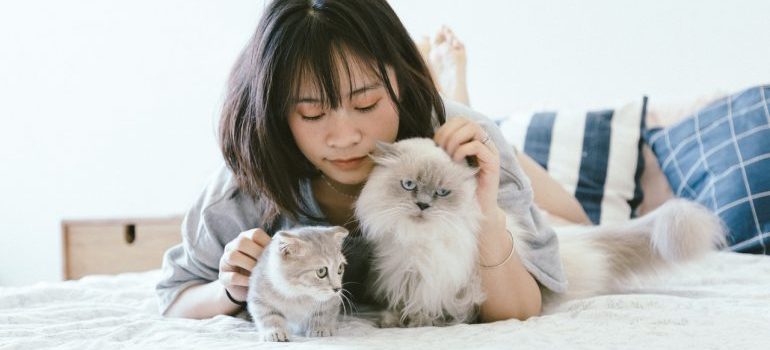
419, 211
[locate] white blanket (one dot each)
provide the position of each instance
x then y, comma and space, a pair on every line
721, 302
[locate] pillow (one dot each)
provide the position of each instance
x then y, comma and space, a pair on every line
720, 157
595, 155
667, 113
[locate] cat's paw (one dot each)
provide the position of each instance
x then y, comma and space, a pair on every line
275, 334
417, 321
320, 332
390, 319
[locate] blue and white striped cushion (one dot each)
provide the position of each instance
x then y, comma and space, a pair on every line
595, 155
720, 157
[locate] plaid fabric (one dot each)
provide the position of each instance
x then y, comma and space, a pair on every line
720, 157
595, 155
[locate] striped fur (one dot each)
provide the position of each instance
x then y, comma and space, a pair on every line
287, 295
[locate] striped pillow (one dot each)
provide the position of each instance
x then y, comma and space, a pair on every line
595, 155
720, 157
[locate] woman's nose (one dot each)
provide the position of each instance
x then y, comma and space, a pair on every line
343, 132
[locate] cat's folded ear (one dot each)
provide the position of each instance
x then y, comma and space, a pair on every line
384, 153
339, 233
289, 244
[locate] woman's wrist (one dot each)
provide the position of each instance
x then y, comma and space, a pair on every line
241, 304
223, 299
495, 242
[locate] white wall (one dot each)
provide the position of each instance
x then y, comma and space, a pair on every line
108, 108
594, 52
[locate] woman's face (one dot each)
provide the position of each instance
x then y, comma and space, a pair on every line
338, 141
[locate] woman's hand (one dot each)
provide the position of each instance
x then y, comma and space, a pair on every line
460, 138
239, 259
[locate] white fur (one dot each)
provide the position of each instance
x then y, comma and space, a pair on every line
425, 271
607, 259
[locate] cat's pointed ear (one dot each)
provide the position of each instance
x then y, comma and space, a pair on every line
384, 153
339, 233
289, 244
471, 172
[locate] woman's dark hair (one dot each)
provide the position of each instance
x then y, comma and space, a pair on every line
309, 40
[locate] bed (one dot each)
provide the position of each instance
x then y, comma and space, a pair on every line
719, 302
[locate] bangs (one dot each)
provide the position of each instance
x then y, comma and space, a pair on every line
318, 70
310, 49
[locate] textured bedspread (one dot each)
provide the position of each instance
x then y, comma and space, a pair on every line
721, 302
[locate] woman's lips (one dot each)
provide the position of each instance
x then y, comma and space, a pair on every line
347, 164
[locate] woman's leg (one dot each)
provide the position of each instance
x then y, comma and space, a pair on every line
562, 207
446, 60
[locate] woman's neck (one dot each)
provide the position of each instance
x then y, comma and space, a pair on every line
335, 202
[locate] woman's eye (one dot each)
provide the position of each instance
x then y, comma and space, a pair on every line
442, 192
408, 185
322, 272
312, 117
367, 108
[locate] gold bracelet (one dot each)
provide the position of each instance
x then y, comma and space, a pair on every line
510, 235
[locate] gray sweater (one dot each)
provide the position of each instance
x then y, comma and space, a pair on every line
223, 211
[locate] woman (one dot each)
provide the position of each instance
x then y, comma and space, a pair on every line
317, 85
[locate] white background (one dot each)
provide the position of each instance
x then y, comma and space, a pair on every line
108, 108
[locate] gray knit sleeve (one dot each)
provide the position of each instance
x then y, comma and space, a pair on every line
216, 218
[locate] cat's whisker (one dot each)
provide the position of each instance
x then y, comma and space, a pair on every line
353, 307
342, 302
345, 299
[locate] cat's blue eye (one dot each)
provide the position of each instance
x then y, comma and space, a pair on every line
341, 269
442, 192
322, 272
408, 185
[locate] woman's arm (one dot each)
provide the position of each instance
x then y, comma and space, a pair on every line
202, 301
511, 290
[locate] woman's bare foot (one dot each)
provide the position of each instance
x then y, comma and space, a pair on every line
447, 61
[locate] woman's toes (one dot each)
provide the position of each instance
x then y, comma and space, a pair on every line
440, 37
423, 45
447, 61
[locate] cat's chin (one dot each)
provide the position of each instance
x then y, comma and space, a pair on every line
323, 297
420, 218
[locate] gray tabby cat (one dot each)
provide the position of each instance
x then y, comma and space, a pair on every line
418, 210
297, 285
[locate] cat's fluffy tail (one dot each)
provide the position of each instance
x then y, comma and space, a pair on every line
604, 259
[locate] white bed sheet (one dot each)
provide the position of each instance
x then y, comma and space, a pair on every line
721, 302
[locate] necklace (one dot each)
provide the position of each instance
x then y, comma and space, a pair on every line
323, 177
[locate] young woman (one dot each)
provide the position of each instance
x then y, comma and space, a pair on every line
317, 85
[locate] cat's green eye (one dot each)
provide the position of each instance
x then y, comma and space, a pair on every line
341, 269
442, 192
322, 272
408, 185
